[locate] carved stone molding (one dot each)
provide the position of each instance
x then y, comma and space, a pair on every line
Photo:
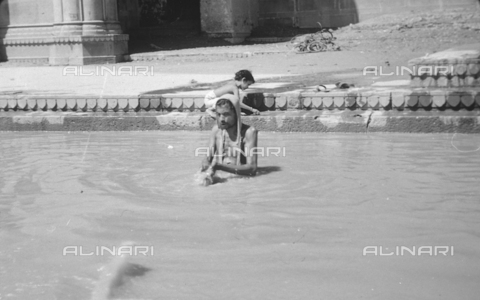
82, 39
372, 100
27, 42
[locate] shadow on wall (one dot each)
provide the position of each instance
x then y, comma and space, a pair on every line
285, 17
128, 15
339, 13
160, 12
4, 22
330, 13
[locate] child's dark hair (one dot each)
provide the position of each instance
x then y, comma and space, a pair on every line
244, 74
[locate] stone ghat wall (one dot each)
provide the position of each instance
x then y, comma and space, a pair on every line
386, 100
288, 121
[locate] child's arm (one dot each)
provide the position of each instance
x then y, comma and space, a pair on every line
253, 110
243, 105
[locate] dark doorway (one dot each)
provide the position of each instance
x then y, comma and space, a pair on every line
155, 13
166, 25
183, 10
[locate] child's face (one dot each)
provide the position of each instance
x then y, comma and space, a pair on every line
245, 84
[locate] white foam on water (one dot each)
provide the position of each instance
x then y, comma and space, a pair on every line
203, 179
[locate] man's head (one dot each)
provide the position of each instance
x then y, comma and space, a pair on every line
244, 79
226, 114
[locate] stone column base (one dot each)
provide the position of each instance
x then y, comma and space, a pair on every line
66, 50
84, 50
31, 50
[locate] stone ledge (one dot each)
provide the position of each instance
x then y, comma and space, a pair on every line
362, 99
464, 54
25, 41
356, 121
90, 38
452, 68
165, 55
19, 41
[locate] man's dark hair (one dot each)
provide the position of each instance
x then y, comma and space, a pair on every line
244, 74
225, 102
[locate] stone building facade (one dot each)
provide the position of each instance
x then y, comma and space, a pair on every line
76, 32
61, 32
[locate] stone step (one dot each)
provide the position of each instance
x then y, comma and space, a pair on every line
188, 54
453, 68
353, 121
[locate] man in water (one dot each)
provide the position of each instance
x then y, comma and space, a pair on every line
231, 141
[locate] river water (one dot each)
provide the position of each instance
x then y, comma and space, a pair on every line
325, 219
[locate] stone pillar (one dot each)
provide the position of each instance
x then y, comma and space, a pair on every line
61, 32
243, 19
86, 32
93, 17
111, 16
25, 30
72, 18
230, 19
57, 14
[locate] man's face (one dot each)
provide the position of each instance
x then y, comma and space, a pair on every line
226, 117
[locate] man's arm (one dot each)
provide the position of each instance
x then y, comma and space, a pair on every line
250, 168
207, 161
